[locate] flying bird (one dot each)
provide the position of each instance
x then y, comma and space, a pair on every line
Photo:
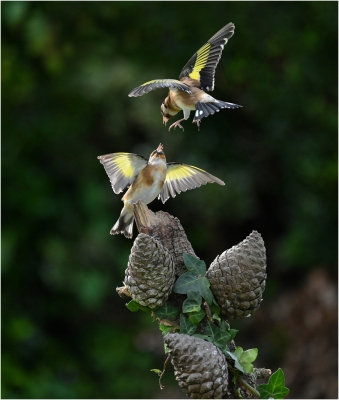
189, 92
147, 180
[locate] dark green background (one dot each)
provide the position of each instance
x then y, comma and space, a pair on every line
67, 68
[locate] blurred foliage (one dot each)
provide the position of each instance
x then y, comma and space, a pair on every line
67, 68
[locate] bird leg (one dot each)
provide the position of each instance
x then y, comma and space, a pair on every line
177, 123
198, 123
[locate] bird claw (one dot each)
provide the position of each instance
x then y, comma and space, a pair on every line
197, 121
175, 125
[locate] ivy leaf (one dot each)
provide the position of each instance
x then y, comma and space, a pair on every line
165, 329
224, 326
167, 311
248, 356
244, 359
235, 357
157, 371
233, 333
194, 265
196, 317
218, 337
275, 388
190, 306
215, 309
134, 306
206, 291
188, 282
215, 316
205, 337
192, 303
186, 327
194, 295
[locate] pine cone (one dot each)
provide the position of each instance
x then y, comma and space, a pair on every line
150, 273
238, 277
200, 367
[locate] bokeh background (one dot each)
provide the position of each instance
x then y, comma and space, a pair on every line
67, 68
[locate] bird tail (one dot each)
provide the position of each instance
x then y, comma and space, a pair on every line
123, 226
205, 109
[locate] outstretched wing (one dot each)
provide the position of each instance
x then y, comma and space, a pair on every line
201, 67
158, 84
182, 177
122, 168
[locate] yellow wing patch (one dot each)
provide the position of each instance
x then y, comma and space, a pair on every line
122, 168
182, 177
124, 164
201, 61
179, 172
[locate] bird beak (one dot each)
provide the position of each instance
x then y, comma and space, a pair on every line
160, 148
164, 120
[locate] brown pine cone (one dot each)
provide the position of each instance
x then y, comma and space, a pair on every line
200, 367
150, 273
238, 277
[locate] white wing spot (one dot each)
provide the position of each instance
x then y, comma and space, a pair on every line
197, 113
201, 112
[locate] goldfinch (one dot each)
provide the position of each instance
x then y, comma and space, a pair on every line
197, 76
147, 180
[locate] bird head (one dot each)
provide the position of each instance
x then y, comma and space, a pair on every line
157, 155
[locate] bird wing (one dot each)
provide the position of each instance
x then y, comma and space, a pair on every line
201, 66
122, 168
182, 177
158, 84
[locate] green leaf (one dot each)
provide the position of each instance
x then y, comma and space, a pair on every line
248, 368
188, 282
167, 311
246, 359
218, 337
196, 317
275, 388
157, 371
235, 357
194, 265
215, 309
224, 326
193, 281
238, 351
233, 333
190, 306
192, 303
206, 291
165, 329
134, 306
194, 295
248, 356
243, 359
205, 337
186, 327
215, 316
185, 283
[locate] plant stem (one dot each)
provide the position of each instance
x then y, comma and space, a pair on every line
243, 382
249, 387
163, 371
